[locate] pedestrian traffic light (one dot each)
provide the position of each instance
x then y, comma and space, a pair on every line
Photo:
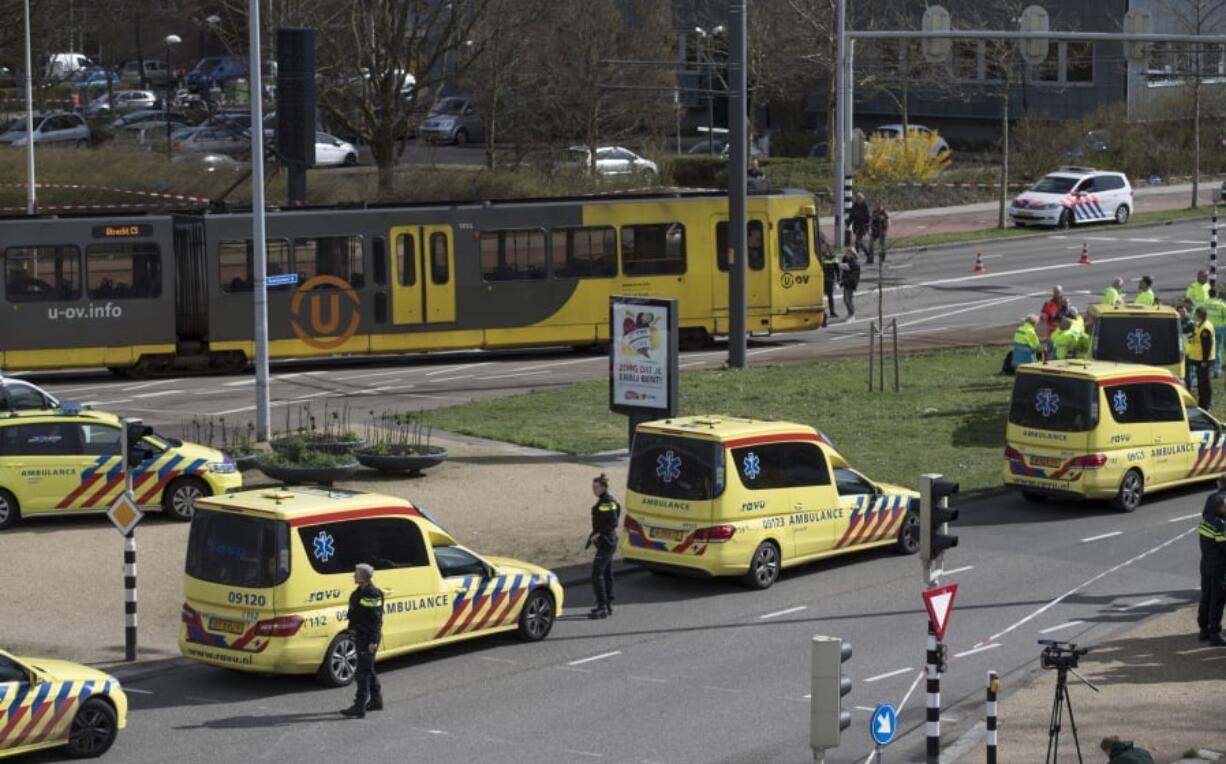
935, 516
942, 657
827, 719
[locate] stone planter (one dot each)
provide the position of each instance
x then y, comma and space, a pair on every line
412, 462
246, 461
294, 474
282, 445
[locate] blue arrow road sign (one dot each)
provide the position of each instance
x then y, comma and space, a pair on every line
885, 722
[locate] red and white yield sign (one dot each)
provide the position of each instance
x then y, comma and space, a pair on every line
940, 603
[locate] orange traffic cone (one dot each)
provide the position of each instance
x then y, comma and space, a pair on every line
979, 263
1085, 255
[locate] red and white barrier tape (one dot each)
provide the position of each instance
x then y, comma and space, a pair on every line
112, 189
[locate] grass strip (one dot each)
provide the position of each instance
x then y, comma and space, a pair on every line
949, 417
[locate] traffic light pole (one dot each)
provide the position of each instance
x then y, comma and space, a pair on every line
932, 725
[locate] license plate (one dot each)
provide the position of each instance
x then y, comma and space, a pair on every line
1024, 214
229, 627
1047, 461
667, 533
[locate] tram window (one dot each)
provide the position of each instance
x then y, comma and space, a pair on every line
793, 244
754, 246
339, 256
236, 263
653, 250
440, 263
379, 260
513, 255
406, 260
584, 252
37, 274
123, 271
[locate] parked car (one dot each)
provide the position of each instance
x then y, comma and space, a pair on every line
57, 66
331, 151
121, 102
894, 133
614, 160
717, 147
216, 70
212, 162
1074, 195
213, 140
148, 115
58, 128
156, 73
453, 120
91, 77
150, 133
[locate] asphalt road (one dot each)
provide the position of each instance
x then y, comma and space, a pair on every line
702, 671
935, 296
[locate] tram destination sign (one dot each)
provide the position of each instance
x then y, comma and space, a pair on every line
643, 356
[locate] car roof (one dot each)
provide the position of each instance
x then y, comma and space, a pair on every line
1102, 371
308, 505
719, 427
62, 414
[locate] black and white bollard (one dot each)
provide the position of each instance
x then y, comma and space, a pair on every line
990, 714
848, 193
129, 595
932, 727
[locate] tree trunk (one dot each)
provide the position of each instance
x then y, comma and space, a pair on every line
1196, 143
383, 150
1004, 156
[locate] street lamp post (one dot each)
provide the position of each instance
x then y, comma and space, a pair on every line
31, 197
171, 40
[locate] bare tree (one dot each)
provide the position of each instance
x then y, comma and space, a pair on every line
502, 80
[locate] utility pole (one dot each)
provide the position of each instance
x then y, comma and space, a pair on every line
840, 127
31, 194
738, 155
263, 415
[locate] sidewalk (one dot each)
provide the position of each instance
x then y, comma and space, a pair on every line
63, 577
1159, 688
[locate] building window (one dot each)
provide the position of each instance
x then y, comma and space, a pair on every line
584, 253
123, 271
1079, 65
755, 249
339, 256
38, 274
236, 261
653, 250
513, 255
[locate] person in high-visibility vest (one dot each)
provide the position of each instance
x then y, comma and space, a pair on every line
1201, 352
1198, 291
1026, 342
1063, 340
1146, 295
830, 276
1215, 307
1113, 295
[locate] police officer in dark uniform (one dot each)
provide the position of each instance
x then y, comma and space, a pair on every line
605, 514
366, 624
1213, 567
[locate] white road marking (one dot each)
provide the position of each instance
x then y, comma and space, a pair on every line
591, 754
449, 379
980, 649
1181, 518
1146, 603
515, 374
879, 677
778, 613
602, 656
721, 689
137, 691
497, 660
105, 403
647, 679
158, 394
317, 395
569, 668
143, 385
272, 405
1102, 536
239, 382
446, 369
911, 689
552, 364
962, 569
407, 370
1061, 627
865, 708
1088, 582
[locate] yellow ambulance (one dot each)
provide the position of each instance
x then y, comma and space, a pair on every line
1098, 430
725, 496
1144, 334
269, 573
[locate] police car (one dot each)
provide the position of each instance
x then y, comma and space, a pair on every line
68, 459
1074, 195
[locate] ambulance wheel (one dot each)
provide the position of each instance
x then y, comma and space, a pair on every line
10, 513
179, 500
763, 566
1121, 214
909, 535
1066, 219
1132, 489
340, 661
1033, 498
93, 730
536, 619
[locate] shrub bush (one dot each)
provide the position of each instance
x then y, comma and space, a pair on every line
911, 159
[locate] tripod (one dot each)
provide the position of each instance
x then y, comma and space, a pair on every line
1061, 701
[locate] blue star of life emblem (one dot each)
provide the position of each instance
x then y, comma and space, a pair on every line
1138, 341
1119, 402
1046, 402
668, 466
751, 465
324, 546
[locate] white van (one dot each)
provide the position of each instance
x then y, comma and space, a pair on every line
60, 65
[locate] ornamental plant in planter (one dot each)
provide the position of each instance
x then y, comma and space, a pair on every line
334, 437
236, 441
399, 443
298, 463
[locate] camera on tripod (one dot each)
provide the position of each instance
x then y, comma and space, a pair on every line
1060, 655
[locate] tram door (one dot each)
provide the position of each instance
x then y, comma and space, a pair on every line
758, 286
423, 274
